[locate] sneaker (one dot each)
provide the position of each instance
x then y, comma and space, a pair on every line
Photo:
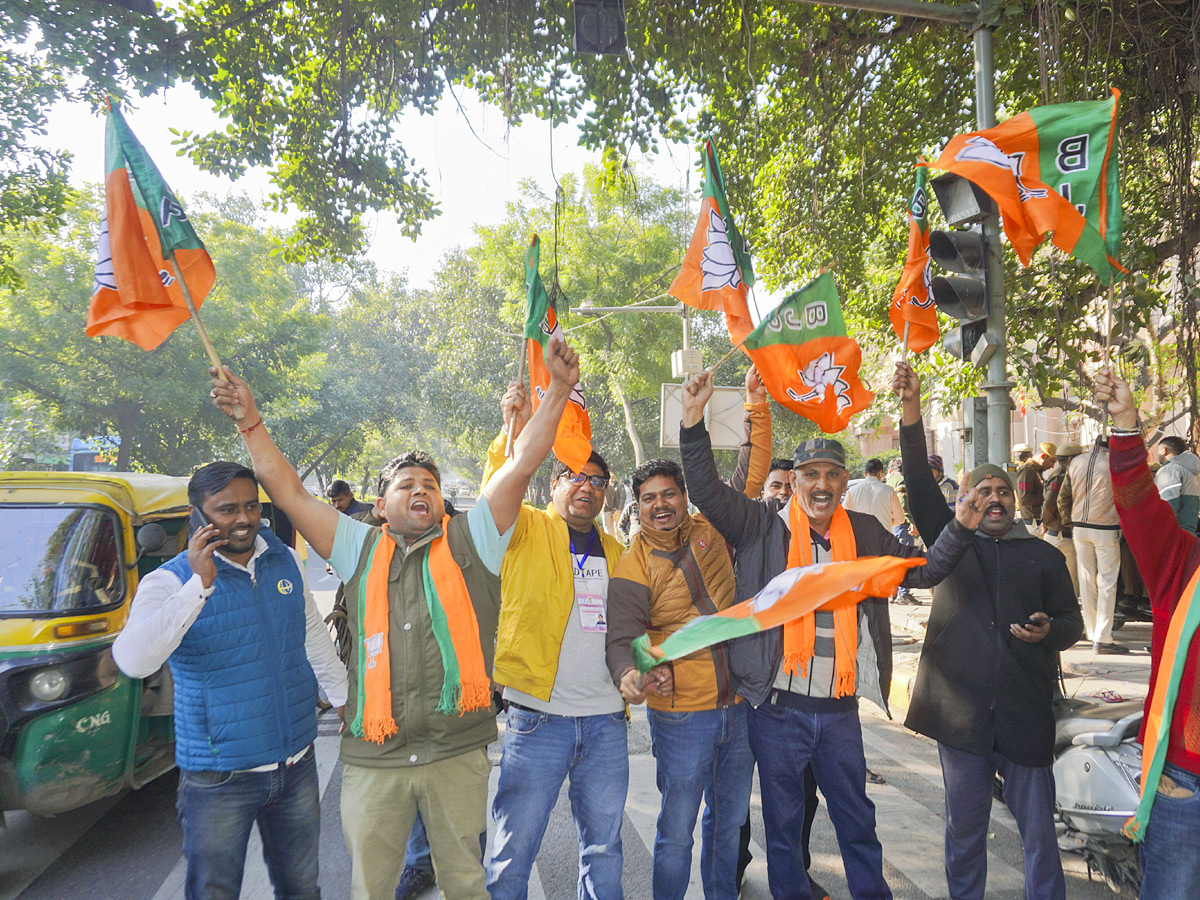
1110, 648
412, 882
904, 596
818, 892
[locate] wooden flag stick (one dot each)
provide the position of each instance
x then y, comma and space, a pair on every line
732, 350
1108, 326
904, 349
508, 446
238, 412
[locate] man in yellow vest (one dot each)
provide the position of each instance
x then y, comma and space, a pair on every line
566, 718
425, 599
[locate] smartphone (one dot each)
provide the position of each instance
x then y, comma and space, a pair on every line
196, 521
1034, 622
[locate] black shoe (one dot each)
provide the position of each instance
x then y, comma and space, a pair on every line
903, 596
412, 882
818, 892
1110, 648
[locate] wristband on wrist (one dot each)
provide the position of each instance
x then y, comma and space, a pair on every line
252, 427
1126, 432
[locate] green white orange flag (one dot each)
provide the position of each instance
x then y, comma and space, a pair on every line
573, 442
136, 294
1052, 169
911, 302
716, 272
789, 595
806, 360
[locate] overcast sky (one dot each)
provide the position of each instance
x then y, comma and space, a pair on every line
472, 177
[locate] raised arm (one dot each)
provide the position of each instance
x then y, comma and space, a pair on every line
754, 456
925, 501
505, 490
514, 410
314, 519
736, 516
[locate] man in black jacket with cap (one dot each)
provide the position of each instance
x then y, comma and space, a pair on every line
984, 687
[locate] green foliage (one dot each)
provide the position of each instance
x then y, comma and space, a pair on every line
156, 403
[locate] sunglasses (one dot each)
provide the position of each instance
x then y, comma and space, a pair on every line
596, 481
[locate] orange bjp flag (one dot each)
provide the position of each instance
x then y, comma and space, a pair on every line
136, 293
911, 302
807, 361
716, 272
573, 440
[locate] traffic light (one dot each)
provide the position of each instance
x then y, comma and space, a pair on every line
963, 251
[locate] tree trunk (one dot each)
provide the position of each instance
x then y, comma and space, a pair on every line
128, 414
639, 455
327, 451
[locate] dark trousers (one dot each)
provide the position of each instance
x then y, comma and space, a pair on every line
1029, 795
811, 802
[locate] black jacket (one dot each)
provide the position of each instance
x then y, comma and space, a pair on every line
760, 539
978, 687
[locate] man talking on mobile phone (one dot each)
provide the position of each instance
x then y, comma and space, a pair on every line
985, 682
234, 617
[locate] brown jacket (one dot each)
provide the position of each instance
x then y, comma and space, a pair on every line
663, 581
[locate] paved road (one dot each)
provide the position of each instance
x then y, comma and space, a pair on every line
128, 848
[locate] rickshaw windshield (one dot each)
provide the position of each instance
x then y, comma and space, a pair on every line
56, 559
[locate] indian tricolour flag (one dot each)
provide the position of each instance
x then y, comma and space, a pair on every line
573, 442
716, 272
789, 595
137, 295
1054, 170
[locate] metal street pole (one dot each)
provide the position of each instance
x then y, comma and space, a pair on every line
997, 386
979, 20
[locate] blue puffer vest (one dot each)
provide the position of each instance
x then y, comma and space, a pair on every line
245, 694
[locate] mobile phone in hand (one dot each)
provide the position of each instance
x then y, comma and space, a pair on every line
196, 521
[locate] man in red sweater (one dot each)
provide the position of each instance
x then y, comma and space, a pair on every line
1168, 557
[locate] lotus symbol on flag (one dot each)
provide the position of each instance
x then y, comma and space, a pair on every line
820, 374
719, 267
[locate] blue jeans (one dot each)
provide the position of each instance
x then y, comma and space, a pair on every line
217, 810
902, 534
1170, 863
785, 740
1029, 796
540, 752
700, 754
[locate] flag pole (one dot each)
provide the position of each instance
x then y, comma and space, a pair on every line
195, 314
508, 446
1108, 325
904, 350
732, 350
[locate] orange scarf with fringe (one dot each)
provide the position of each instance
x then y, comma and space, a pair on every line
465, 684
799, 635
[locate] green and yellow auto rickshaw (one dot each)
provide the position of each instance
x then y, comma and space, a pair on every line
73, 545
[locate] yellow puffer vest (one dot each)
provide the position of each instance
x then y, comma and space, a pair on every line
537, 591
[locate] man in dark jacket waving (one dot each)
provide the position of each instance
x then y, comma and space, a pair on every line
984, 688
803, 684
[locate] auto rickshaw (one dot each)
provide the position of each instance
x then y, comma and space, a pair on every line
73, 727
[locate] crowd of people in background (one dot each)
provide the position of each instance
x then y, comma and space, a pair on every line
534, 612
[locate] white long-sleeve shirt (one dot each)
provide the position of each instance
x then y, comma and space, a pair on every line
164, 608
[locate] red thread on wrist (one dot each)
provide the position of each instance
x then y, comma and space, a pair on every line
252, 427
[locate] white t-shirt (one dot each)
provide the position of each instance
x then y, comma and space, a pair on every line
582, 685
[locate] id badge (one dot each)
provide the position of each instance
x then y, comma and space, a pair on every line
591, 614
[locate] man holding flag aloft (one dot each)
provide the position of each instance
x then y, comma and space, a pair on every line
804, 679
1168, 556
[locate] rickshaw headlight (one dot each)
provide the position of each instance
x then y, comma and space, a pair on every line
49, 685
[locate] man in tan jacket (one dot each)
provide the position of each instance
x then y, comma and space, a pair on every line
1097, 536
677, 568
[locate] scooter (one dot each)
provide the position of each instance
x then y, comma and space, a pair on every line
1097, 770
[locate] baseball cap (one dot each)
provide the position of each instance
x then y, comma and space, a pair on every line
819, 450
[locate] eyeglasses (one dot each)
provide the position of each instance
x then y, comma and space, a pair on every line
596, 481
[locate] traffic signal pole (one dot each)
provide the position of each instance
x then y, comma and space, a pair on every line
979, 20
